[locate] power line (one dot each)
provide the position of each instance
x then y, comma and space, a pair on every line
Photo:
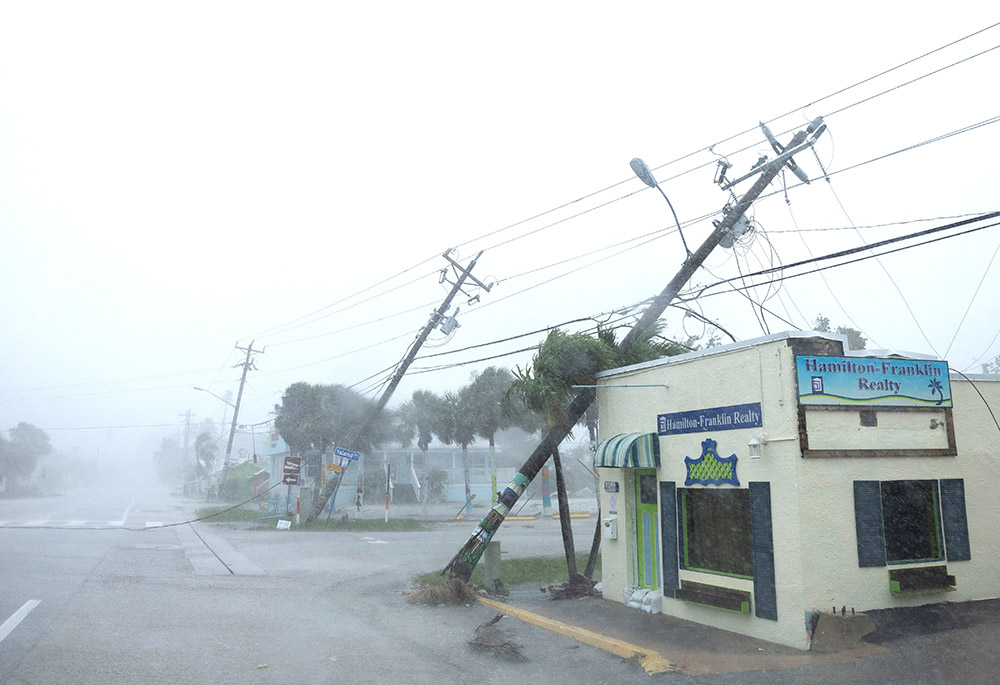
710, 148
972, 300
700, 292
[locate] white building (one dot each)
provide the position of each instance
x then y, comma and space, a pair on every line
760, 483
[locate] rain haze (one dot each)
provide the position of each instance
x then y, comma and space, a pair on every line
179, 179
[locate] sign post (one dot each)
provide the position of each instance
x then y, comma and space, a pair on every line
290, 470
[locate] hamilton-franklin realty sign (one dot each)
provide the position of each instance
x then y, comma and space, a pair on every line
727, 418
833, 381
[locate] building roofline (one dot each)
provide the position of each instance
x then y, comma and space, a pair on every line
755, 342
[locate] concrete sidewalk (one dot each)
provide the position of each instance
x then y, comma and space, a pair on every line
900, 640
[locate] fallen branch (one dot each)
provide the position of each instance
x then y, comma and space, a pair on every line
492, 639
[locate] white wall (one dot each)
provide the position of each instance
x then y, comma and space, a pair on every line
762, 374
812, 515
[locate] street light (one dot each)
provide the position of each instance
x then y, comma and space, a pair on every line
646, 176
216, 396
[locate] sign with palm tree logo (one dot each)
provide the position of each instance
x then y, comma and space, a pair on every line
838, 381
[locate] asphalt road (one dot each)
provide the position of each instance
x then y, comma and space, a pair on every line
153, 603
106, 590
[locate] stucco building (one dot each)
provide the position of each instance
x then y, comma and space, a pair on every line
760, 483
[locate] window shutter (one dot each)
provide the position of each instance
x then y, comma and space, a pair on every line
764, 586
668, 537
868, 520
956, 525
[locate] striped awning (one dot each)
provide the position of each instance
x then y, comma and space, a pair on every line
629, 450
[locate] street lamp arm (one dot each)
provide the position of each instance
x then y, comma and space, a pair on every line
676, 220
216, 396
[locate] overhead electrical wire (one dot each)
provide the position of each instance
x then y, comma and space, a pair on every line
985, 352
701, 291
971, 301
289, 325
762, 272
710, 148
885, 270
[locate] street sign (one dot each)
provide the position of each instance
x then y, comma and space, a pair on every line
290, 472
336, 468
347, 454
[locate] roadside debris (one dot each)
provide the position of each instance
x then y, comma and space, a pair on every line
453, 591
579, 586
488, 637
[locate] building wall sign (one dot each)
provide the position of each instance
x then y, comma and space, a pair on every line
726, 418
710, 468
839, 381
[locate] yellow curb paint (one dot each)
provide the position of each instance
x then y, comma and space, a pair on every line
574, 516
520, 518
650, 660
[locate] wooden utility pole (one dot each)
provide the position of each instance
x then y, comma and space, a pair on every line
465, 273
462, 564
247, 365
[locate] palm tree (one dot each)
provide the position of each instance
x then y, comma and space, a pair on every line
456, 424
486, 396
641, 343
561, 362
205, 452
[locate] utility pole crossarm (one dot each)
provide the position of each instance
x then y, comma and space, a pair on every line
418, 343
404, 364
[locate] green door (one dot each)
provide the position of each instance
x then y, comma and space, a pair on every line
647, 516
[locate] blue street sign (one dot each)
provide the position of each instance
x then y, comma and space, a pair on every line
347, 454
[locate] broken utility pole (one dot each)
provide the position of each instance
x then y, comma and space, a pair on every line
247, 365
465, 273
462, 564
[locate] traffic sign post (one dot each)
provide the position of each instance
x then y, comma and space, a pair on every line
347, 454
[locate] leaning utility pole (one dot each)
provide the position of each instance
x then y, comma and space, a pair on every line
247, 365
465, 273
462, 564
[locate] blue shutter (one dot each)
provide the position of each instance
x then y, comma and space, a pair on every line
956, 525
764, 586
668, 537
868, 520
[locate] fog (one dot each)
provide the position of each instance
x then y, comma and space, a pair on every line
179, 180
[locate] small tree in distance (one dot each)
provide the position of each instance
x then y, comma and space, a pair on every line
855, 341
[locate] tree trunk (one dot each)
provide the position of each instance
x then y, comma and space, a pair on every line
462, 564
595, 546
465, 474
564, 521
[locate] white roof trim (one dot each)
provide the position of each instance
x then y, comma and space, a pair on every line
754, 342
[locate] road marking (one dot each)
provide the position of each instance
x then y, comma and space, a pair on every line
125, 515
34, 524
374, 541
651, 660
18, 616
76, 523
154, 524
116, 524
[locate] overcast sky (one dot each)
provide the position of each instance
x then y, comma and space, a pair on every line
179, 178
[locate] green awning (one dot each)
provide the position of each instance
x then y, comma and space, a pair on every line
629, 450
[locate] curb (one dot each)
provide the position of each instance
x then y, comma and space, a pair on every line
650, 660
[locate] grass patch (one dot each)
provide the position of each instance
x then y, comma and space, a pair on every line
364, 525
542, 570
224, 514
